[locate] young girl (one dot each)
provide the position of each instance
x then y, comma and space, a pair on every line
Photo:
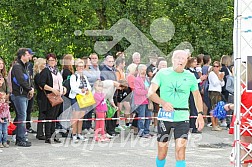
101, 108
4, 119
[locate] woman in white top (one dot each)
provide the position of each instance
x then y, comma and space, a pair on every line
216, 82
79, 85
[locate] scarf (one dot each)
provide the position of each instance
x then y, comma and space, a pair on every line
53, 70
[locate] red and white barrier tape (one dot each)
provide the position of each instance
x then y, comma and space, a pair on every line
96, 119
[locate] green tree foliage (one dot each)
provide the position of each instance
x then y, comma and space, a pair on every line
49, 25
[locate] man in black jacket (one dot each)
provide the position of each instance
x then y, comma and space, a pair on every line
30, 101
22, 91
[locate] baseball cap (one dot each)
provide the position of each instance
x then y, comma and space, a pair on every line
30, 51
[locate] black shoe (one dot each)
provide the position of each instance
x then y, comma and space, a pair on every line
116, 133
23, 143
196, 131
41, 137
50, 141
57, 141
31, 130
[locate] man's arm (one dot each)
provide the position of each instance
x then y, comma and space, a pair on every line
198, 100
155, 98
199, 105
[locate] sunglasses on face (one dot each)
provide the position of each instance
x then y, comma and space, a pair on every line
216, 66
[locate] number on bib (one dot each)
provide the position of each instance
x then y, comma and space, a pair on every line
165, 116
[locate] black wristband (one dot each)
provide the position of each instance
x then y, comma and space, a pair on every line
201, 112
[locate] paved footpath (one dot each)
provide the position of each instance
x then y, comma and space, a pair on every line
210, 149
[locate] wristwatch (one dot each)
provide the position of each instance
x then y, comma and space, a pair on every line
201, 112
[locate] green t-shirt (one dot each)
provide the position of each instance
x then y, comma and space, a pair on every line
175, 88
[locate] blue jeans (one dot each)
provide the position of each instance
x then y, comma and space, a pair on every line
3, 132
143, 124
21, 104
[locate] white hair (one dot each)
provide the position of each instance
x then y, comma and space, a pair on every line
141, 66
108, 57
178, 52
132, 68
136, 54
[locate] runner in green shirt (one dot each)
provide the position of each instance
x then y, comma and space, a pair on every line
175, 85
176, 90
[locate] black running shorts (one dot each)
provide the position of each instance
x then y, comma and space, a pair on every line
181, 130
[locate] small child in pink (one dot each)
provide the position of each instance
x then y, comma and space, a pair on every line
4, 119
101, 109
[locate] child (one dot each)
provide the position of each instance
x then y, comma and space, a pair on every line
101, 108
4, 119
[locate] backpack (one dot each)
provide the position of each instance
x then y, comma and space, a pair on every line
66, 84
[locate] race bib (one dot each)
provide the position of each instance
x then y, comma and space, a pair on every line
165, 116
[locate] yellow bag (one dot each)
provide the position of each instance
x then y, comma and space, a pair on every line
85, 100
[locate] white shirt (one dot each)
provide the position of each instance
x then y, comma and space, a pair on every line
74, 84
214, 83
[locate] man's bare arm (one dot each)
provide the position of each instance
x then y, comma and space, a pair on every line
199, 105
198, 100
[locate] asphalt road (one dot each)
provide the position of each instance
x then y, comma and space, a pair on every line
211, 149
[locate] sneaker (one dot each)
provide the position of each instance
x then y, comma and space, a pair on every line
105, 139
98, 139
126, 127
6, 145
74, 139
81, 137
223, 124
119, 129
13, 138
216, 128
31, 130
209, 124
23, 143
1, 145
109, 136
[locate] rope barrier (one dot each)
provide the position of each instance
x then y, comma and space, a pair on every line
97, 119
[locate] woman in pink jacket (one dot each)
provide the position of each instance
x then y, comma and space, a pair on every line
141, 85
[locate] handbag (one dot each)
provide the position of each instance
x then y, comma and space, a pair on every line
11, 128
85, 100
54, 99
111, 110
